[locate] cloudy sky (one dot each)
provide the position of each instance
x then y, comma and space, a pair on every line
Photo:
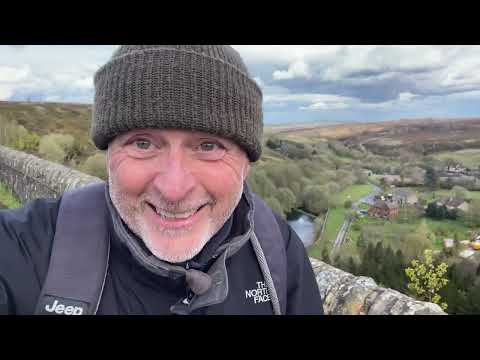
300, 83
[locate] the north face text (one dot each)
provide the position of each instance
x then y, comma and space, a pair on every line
259, 295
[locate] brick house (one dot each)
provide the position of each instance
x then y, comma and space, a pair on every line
384, 208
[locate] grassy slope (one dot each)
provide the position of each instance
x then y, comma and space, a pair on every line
468, 157
47, 118
7, 198
354, 193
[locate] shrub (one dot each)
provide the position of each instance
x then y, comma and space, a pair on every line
55, 147
96, 165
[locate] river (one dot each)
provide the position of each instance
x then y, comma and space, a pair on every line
303, 226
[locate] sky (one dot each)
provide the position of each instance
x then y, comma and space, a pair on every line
300, 83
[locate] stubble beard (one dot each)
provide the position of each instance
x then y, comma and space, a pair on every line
132, 213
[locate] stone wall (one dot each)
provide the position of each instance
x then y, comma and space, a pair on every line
346, 294
30, 177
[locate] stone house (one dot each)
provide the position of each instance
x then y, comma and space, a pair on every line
452, 203
384, 208
403, 196
448, 243
456, 169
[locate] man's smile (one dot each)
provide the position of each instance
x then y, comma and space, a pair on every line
175, 220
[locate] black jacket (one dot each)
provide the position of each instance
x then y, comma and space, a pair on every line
26, 236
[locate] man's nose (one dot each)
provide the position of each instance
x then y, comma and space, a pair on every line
175, 179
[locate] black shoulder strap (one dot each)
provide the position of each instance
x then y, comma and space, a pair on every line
79, 257
269, 235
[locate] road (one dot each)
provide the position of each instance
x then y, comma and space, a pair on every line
368, 199
341, 235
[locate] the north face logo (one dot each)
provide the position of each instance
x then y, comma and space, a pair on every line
61, 309
259, 295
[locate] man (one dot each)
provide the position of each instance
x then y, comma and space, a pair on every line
183, 234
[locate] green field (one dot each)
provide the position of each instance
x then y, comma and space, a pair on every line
468, 157
390, 230
7, 198
337, 216
431, 195
353, 193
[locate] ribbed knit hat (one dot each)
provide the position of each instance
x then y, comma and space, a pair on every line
194, 87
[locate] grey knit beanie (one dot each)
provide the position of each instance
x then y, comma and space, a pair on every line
194, 87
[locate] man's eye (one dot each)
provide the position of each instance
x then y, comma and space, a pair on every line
208, 146
142, 144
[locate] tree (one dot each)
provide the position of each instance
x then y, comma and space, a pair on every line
286, 198
459, 192
95, 165
261, 183
431, 178
275, 205
415, 243
450, 162
426, 279
273, 143
50, 150
56, 147
315, 199
472, 216
17, 137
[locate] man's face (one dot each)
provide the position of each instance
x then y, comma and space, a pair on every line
175, 188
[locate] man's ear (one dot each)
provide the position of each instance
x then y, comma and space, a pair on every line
246, 170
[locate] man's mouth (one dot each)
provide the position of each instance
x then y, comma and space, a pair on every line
176, 219
175, 215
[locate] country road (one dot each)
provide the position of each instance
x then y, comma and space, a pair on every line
341, 235
368, 199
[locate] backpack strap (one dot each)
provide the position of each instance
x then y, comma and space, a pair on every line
270, 250
79, 258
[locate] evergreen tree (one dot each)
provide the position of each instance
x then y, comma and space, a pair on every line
431, 178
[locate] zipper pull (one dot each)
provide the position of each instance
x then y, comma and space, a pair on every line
189, 297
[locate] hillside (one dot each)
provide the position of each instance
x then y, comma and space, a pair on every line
47, 118
419, 135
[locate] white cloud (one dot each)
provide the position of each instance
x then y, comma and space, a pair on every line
430, 67
84, 83
312, 101
406, 76
5, 92
285, 54
259, 81
406, 96
322, 102
51, 72
11, 74
298, 69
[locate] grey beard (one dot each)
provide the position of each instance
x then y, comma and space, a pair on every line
129, 214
